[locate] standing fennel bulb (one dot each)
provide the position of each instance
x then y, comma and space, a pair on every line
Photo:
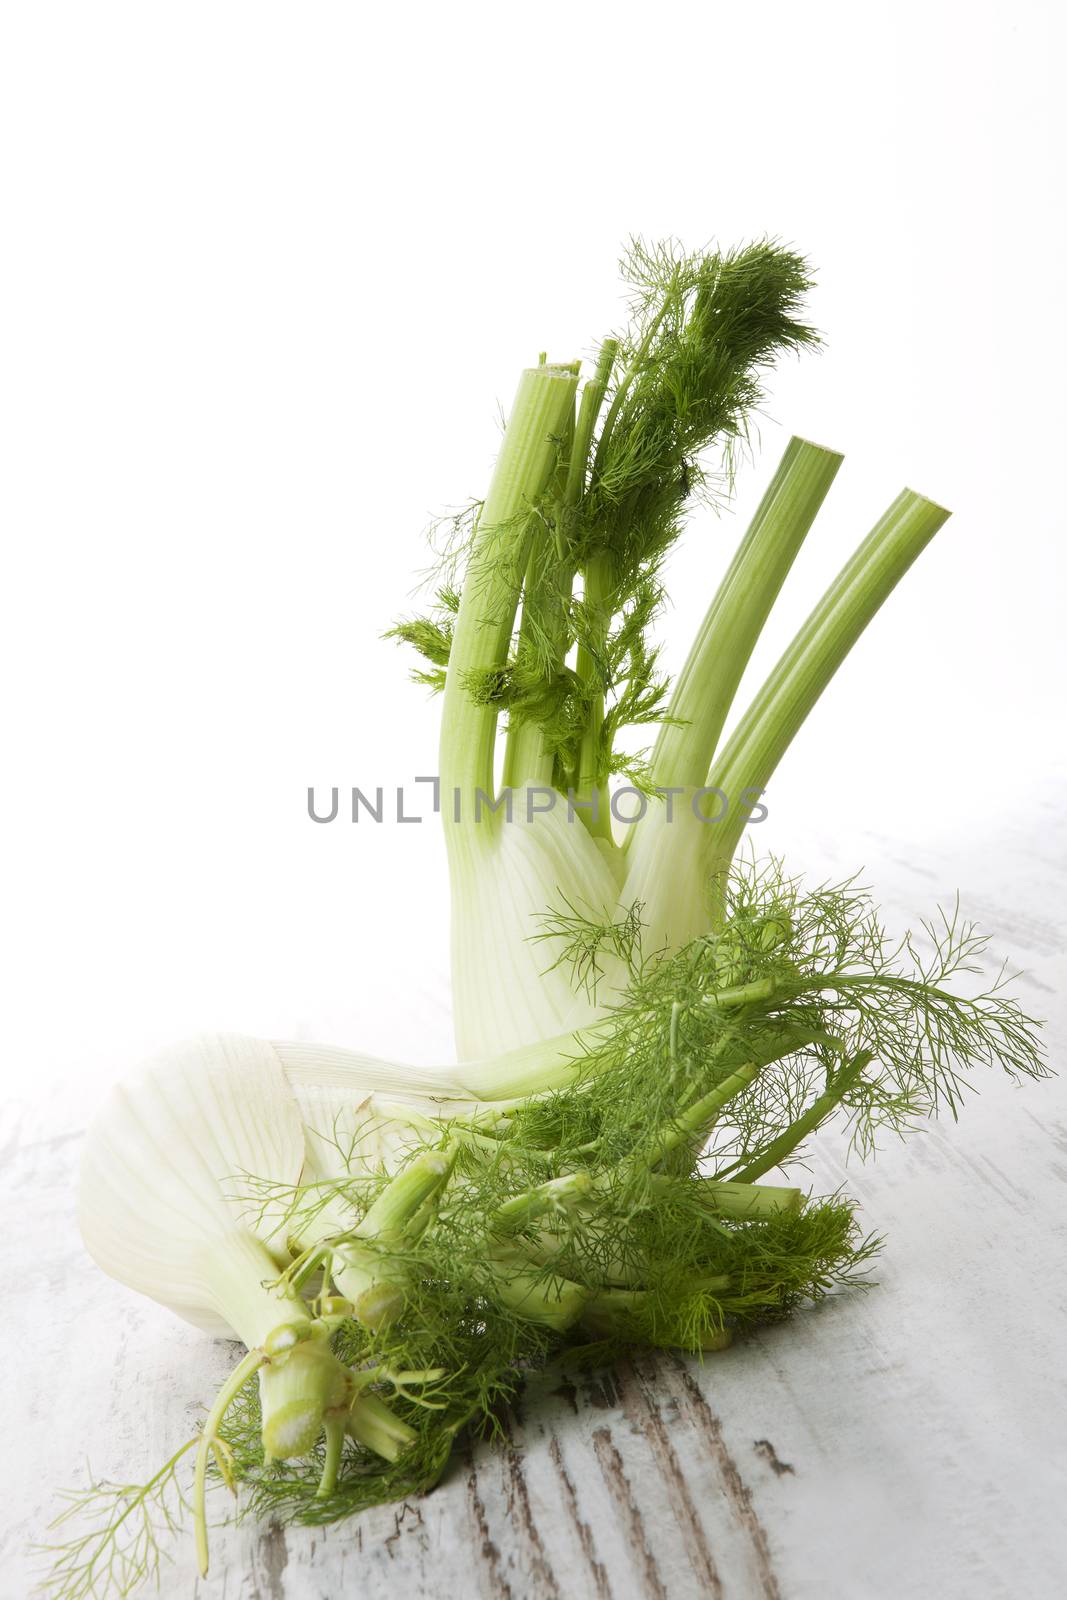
646, 1028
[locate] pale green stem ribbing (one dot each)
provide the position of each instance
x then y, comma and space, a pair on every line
335, 1439
532, 1069
591, 779
805, 1125
612, 1303
389, 1219
758, 992
371, 1422
529, 454
555, 1195
708, 681
741, 1202
548, 585
360, 1266
227, 1394
749, 1202
768, 727
588, 411
702, 1115
542, 633
540, 1297
699, 1119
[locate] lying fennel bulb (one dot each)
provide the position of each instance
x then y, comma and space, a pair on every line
646, 1027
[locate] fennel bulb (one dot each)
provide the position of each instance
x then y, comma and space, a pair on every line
161, 1210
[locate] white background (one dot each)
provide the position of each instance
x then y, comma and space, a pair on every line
270, 271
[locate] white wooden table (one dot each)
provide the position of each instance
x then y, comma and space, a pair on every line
904, 1443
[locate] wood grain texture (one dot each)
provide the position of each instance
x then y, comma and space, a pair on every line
901, 1443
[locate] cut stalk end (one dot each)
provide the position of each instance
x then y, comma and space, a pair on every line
296, 1394
375, 1426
